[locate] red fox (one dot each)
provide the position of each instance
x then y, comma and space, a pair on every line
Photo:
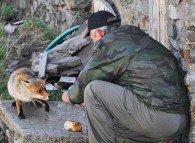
24, 86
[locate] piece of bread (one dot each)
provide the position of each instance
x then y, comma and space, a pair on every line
72, 126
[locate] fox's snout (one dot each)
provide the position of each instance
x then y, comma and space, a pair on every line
42, 94
45, 96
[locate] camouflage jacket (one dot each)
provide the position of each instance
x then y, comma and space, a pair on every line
131, 58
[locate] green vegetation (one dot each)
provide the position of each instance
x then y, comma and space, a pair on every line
35, 30
3, 81
55, 95
48, 32
2, 33
5, 9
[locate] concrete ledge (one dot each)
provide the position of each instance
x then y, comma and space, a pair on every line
40, 126
43, 127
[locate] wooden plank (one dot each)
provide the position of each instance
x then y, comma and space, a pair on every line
150, 17
158, 21
67, 79
154, 18
163, 21
42, 64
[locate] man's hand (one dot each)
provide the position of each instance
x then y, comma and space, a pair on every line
82, 104
65, 98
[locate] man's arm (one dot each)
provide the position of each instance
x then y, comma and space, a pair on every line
106, 63
99, 67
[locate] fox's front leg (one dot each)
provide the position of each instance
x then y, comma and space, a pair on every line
19, 108
43, 103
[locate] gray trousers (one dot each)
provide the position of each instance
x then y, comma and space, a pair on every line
113, 111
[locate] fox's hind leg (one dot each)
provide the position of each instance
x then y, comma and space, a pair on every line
19, 108
14, 103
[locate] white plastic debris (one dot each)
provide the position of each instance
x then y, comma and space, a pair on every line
10, 28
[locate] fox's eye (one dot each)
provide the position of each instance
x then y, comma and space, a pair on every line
40, 91
43, 88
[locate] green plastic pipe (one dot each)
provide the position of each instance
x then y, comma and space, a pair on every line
56, 40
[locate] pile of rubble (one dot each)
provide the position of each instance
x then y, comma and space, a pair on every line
67, 58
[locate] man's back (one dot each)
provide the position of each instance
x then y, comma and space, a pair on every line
145, 67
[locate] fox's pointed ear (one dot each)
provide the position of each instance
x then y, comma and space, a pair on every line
44, 78
25, 82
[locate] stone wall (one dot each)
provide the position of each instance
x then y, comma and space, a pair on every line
54, 12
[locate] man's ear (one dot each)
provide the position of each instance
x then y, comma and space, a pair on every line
99, 33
